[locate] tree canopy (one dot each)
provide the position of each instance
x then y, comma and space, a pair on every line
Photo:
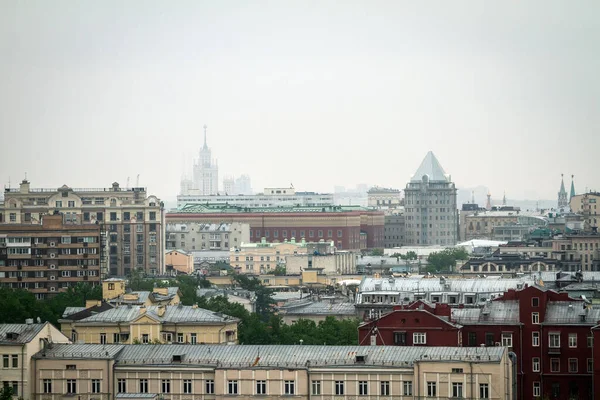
445, 260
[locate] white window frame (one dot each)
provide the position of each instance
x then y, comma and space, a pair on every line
407, 388
535, 339
187, 386
232, 386
535, 364
573, 340
289, 387
261, 387
316, 388
537, 389
535, 318
419, 338
363, 388
554, 340
457, 389
339, 388
507, 339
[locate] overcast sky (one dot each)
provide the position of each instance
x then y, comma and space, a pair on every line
314, 93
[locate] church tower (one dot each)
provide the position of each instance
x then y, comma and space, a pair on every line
563, 202
572, 187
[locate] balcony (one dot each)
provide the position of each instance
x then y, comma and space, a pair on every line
553, 350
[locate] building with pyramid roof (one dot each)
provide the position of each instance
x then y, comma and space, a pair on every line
430, 206
563, 202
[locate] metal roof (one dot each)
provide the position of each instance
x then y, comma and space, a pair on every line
298, 355
470, 285
25, 333
178, 313
136, 395
72, 310
80, 351
271, 355
493, 312
321, 308
571, 312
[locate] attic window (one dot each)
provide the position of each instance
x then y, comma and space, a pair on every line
360, 359
177, 358
12, 335
71, 366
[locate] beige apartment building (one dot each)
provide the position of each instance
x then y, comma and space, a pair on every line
271, 372
49, 257
578, 251
18, 343
197, 236
151, 324
587, 205
130, 219
179, 262
338, 263
264, 257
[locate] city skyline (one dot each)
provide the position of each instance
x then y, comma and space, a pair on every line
320, 96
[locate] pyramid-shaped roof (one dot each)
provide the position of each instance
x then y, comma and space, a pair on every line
430, 167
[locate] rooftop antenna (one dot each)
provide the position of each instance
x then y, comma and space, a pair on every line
127, 186
137, 181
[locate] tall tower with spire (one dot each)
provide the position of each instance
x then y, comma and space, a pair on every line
488, 205
572, 187
205, 180
563, 202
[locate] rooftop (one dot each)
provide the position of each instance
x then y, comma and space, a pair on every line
493, 312
178, 313
482, 285
229, 209
321, 308
248, 356
431, 167
19, 333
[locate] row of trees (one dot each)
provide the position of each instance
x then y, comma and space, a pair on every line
262, 327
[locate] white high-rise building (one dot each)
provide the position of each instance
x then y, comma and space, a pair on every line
205, 179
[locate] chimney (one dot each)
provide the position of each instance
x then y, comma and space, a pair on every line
29, 321
142, 310
161, 310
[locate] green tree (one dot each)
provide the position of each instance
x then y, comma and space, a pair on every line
410, 255
377, 252
445, 260
279, 270
6, 393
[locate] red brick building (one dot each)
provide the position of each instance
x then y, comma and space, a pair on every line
550, 334
349, 227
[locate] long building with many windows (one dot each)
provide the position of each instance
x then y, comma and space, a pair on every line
131, 220
106, 372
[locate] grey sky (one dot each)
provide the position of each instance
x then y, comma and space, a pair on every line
318, 93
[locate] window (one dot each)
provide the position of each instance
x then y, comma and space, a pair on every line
180, 338
145, 338
102, 337
261, 387
590, 365
209, 386
535, 339
71, 204
590, 341
289, 387
472, 339
484, 391
152, 215
5, 361
113, 216
143, 385
316, 388
489, 339
58, 204
166, 386
71, 367
47, 388
537, 389
554, 340
573, 364
193, 338
121, 386
95, 385
418, 338
535, 302
457, 370
187, 386
339, 388
431, 389
363, 388
71, 386
15, 361
507, 339
457, 389
555, 365
535, 364
232, 387
385, 388
400, 338
407, 388
535, 318
572, 340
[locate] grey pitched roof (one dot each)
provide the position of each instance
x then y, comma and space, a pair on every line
493, 312
468, 285
431, 167
25, 333
570, 312
296, 355
270, 355
321, 308
72, 310
136, 395
80, 351
177, 313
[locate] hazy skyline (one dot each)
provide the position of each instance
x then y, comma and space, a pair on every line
318, 94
